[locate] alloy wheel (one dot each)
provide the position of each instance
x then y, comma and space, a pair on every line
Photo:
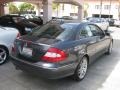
110, 48
83, 68
3, 55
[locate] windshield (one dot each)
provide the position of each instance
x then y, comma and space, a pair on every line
54, 31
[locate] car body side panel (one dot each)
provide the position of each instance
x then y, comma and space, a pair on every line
103, 45
91, 48
7, 37
77, 49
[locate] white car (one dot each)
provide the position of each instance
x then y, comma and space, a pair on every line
101, 22
7, 37
117, 23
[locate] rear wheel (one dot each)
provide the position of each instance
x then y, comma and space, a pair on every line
3, 55
81, 69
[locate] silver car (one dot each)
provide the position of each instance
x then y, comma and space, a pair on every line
117, 23
101, 22
7, 37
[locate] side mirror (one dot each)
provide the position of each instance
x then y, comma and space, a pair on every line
107, 33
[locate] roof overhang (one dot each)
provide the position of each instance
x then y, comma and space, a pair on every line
74, 2
31, 1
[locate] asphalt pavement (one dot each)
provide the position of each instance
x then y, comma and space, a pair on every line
103, 74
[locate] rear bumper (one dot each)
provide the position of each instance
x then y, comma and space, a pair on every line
46, 70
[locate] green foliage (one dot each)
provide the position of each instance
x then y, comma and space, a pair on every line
55, 6
26, 7
12, 8
86, 6
85, 13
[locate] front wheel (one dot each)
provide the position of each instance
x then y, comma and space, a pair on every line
110, 49
81, 69
107, 28
3, 55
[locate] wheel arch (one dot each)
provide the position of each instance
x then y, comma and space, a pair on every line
86, 55
112, 41
5, 48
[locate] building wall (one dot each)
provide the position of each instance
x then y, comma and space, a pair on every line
6, 10
94, 7
65, 10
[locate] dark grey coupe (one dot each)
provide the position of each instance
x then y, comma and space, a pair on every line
56, 51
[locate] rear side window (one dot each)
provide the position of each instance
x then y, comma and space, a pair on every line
96, 31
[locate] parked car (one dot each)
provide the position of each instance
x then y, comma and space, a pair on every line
101, 22
7, 38
24, 26
33, 18
37, 20
67, 17
111, 22
64, 20
55, 51
117, 23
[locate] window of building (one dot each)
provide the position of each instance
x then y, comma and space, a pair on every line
107, 7
117, 6
97, 6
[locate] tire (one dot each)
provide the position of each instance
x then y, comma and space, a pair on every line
81, 69
109, 51
107, 28
4, 54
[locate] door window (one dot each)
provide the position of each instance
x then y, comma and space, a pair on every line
85, 32
96, 31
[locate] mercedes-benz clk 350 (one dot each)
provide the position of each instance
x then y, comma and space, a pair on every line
55, 51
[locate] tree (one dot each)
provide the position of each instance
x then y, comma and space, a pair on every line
86, 6
26, 7
55, 6
12, 8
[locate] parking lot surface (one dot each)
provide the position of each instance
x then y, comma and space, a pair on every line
103, 74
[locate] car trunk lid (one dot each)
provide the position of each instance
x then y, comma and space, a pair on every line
33, 48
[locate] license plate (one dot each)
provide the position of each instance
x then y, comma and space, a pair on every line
27, 51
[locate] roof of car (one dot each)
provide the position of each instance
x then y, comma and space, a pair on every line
81, 23
73, 23
13, 15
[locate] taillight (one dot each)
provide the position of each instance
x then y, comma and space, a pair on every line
54, 55
18, 35
13, 49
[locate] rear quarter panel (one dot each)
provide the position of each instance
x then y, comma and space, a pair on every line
7, 37
75, 49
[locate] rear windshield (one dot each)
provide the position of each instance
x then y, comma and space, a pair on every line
54, 31
18, 19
